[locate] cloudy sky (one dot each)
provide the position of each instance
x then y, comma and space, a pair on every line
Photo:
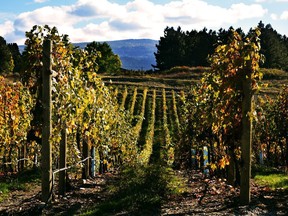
102, 20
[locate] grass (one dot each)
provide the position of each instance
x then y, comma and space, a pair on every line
273, 181
271, 177
182, 77
21, 181
273, 73
139, 191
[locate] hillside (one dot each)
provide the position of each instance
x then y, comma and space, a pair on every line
181, 78
135, 54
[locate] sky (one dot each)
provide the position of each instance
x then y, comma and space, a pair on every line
105, 20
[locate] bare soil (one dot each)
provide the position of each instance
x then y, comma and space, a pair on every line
203, 196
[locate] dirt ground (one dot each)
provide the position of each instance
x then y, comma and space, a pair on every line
203, 197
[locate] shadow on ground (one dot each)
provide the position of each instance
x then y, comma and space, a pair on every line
138, 191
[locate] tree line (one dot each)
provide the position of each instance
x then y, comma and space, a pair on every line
180, 48
12, 60
175, 48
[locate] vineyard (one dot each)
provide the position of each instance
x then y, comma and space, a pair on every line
160, 110
154, 112
74, 124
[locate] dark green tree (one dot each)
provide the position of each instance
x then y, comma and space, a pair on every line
191, 41
17, 58
205, 42
107, 61
223, 35
177, 48
171, 49
274, 47
6, 59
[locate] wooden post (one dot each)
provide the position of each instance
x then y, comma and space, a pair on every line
62, 162
231, 172
19, 157
23, 156
35, 157
246, 142
287, 152
85, 150
93, 162
46, 154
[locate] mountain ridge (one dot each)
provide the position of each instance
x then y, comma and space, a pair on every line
135, 54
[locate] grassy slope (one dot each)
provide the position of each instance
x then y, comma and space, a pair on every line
181, 78
270, 177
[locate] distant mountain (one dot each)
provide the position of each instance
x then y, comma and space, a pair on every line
135, 54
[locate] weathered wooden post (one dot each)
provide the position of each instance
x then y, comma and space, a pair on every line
24, 153
62, 162
93, 162
85, 151
246, 140
231, 172
21, 158
46, 154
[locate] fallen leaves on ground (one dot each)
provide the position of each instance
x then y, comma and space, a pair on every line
203, 196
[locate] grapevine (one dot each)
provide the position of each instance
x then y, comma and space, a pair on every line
15, 106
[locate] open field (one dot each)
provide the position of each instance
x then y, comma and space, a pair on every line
182, 78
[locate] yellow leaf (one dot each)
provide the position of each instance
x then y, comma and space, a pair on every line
213, 166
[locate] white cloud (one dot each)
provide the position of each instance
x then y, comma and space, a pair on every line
274, 16
6, 28
40, 1
270, 1
53, 16
105, 20
284, 15
241, 11
8, 32
99, 8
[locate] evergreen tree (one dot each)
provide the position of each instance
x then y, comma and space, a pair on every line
225, 35
204, 47
273, 47
171, 49
177, 48
14, 49
107, 62
6, 59
191, 43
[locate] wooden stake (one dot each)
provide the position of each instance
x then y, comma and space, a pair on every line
46, 160
62, 162
85, 150
246, 142
93, 162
